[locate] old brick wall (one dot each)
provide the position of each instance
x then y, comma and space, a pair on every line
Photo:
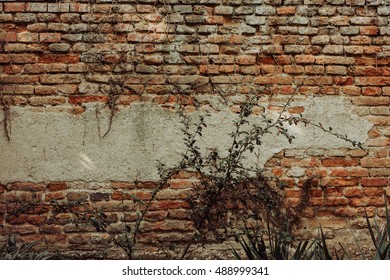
59, 59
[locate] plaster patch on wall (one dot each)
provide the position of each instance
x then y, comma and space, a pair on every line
57, 146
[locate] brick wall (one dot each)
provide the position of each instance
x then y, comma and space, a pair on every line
63, 56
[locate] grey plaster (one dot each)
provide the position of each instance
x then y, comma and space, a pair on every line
49, 145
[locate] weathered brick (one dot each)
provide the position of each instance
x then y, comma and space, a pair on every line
25, 17
27, 37
60, 79
327, 11
320, 40
18, 58
49, 37
372, 81
77, 196
371, 91
6, 17
265, 10
59, 47
350, 30
88, 88
384, 10
45, 90
99, 196
340, 182
36, 7
59, 58
353, 192
58, 7
334, 60
375, 162
373, 191
304, 59
346, 212
58, 27
340, 162
56, 68
223, 10
286, 10
42, 101
308, 31
337, 70
246, 60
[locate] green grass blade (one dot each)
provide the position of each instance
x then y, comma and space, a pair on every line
373, 236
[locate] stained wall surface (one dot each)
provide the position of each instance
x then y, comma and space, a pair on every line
92, 94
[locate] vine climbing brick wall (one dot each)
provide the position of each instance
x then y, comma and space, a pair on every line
89, 97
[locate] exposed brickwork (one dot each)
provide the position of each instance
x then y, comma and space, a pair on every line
68, 53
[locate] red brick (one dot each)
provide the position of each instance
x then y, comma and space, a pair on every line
77, 196
369, 30
286, 11
17, 79
373, 191
313, 80
289, 162
336, 70
59, 58
340, 182
371, 91
60, 79
375, 182
378, 142
36, 220
16, 219
87, 99
358, 172
375, 162
181, 183
214, 19
14, 7
181, 214
53, 196
99, 196
8, 36
304, 59
335, 162
15, 89
57, 186
341, 60
67, 89
18, 58
317, 201
336, 201
372, 81
168, 204
156, 215
338, 172
45, 90
246, 59
353, 192
26, 187
274, 79
346, 212
168, 225
42, 101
